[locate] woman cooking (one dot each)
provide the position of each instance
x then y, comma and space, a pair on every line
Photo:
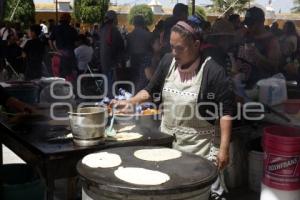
192, 87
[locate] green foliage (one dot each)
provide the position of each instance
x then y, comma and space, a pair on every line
199, 11
90, 11
25, 12
222, 6
296, 9
143, 10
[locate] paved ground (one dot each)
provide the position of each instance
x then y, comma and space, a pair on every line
60, 192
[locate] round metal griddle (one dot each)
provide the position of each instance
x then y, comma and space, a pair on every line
187, 173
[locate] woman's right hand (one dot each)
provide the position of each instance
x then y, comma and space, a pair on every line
122, 106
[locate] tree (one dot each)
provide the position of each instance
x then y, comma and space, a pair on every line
297, 6
236, 6
143, 10
90, 11
25, 12
199, 11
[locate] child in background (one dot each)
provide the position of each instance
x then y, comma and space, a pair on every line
83, 53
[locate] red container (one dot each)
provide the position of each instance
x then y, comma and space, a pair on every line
292, 106
282, 158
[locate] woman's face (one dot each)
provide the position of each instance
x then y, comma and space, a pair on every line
184, 51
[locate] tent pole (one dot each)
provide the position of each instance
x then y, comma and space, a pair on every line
193, 6
14, 11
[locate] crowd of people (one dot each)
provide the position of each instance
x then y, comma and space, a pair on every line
254, 51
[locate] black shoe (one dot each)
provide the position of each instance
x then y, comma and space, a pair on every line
215, 196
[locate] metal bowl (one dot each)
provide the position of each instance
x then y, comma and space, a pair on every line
88, 124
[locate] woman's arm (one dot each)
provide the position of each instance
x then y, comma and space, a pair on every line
226, 127
223, 87
155, 86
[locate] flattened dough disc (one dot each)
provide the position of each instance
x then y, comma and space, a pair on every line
102, 160
157, 155
125, 136
141, 176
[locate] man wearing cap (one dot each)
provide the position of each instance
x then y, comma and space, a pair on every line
222, 40
261, 48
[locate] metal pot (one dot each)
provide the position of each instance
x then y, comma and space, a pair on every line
88, 125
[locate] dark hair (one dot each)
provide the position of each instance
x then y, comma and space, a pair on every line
65, 18
180, 9
36, 28
139, 20
160, 25
186, 34
10, 36
289, 28
254, 15
83, 39
233, 17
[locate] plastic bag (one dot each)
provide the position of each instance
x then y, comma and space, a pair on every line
272, 91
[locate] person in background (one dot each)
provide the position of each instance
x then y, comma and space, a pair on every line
95, 33
64, 35
18, 28
206, 27
13, 54
268, 28
77, 27
275, 29
111, 48
159, 31
62, 41
33, 52
6, 31
156, 48
83, 53
260, 48
235, 20
222, 40
44, 27
180, 12
289, 41
51, 23
140, 51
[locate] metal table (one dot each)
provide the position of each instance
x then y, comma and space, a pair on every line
57, 158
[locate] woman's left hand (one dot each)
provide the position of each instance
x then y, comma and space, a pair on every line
222, 159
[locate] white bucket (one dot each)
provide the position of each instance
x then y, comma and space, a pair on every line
268, 193
255, 172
